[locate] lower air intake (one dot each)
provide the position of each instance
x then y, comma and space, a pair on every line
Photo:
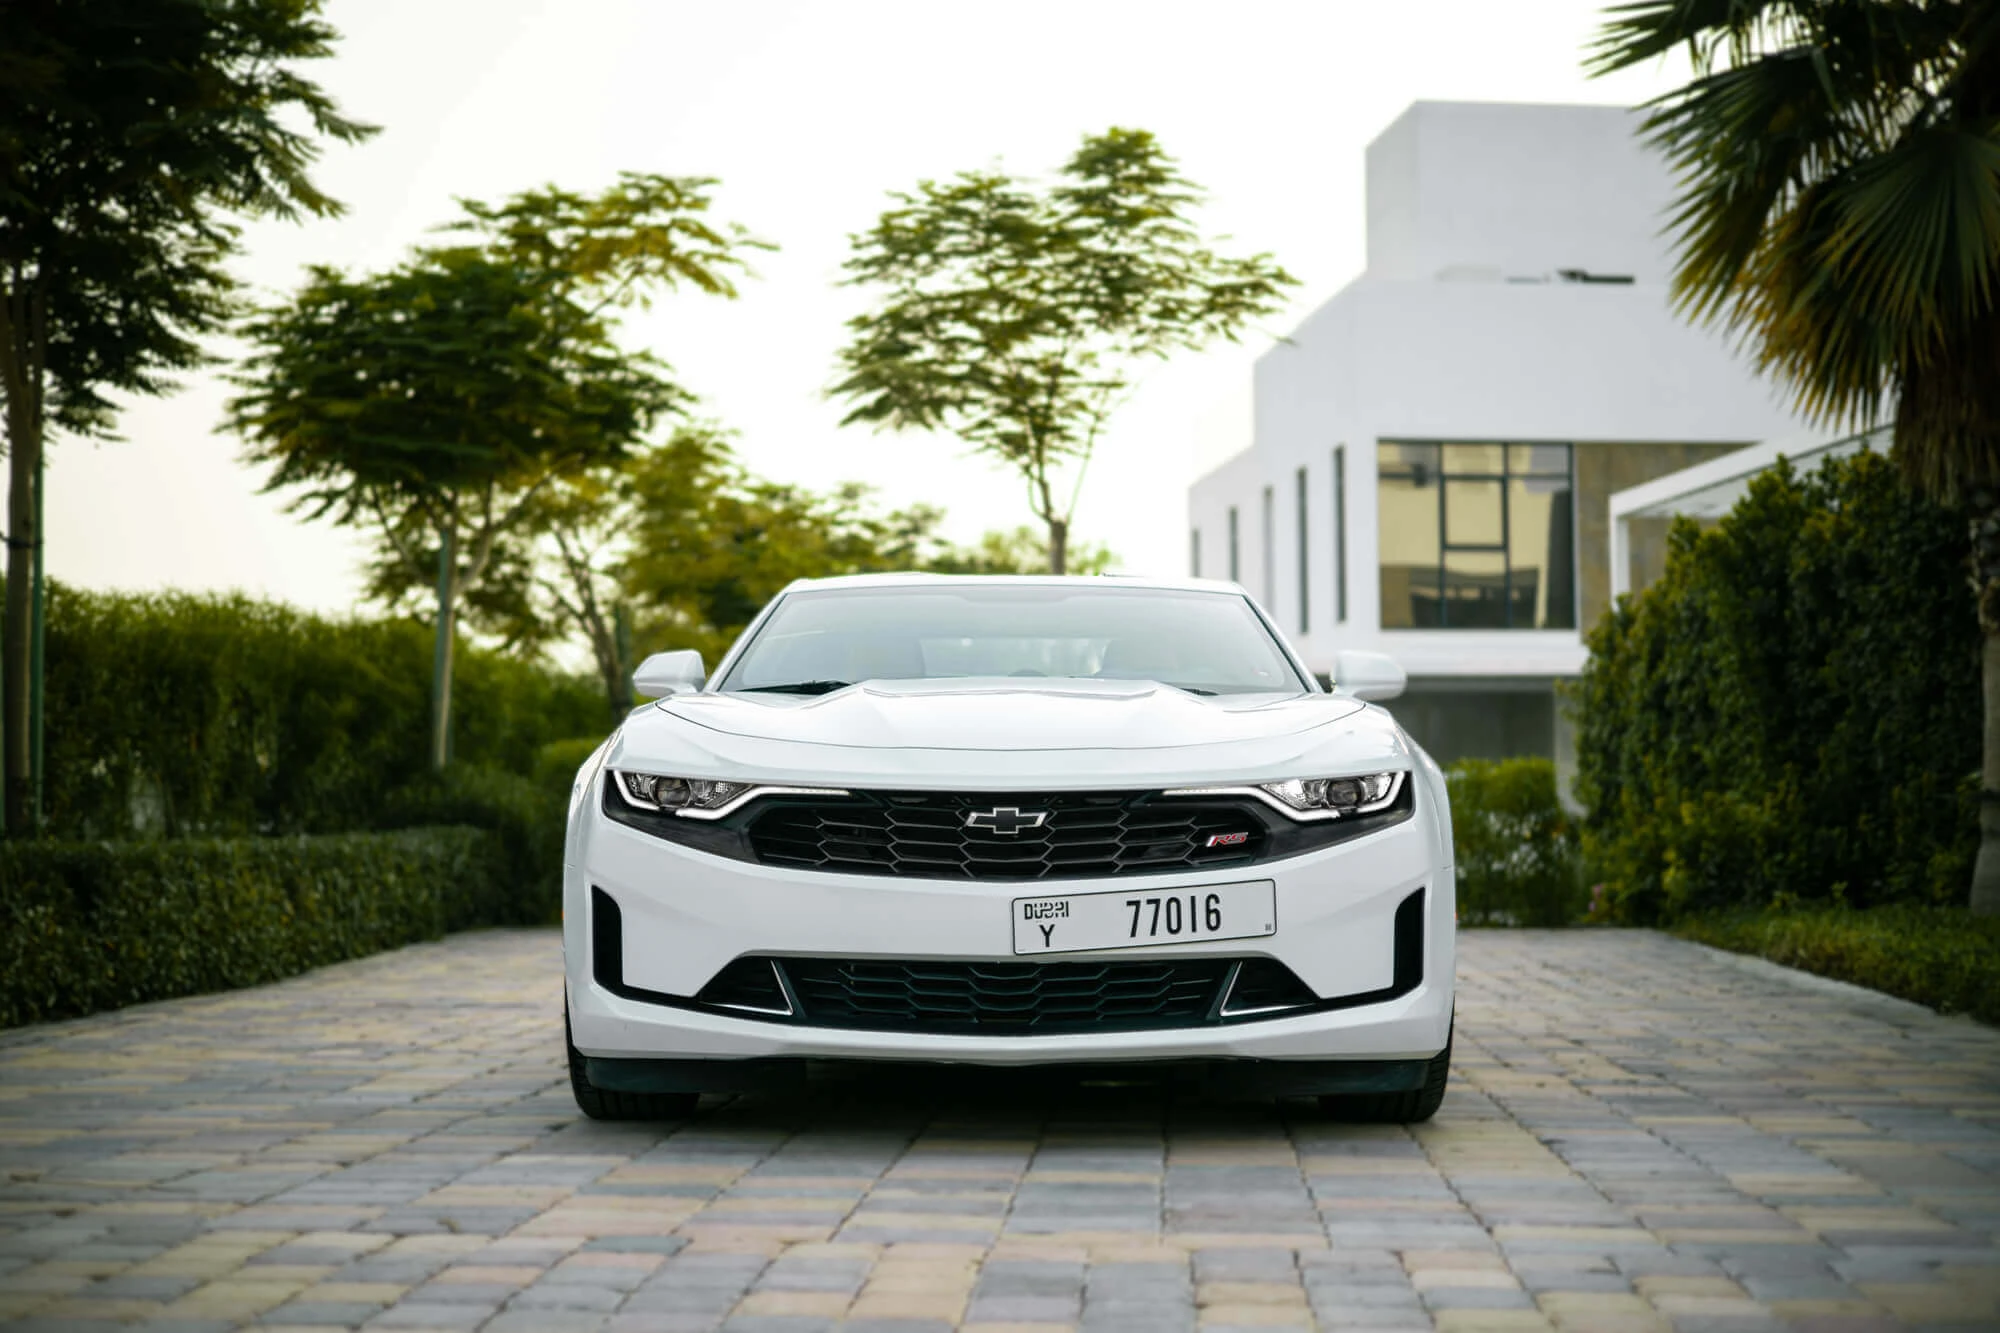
1007, 999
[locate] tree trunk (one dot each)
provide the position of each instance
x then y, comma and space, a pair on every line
1986, 867
23, 454
23, 330
1058, 545
447, 622
620, 685
1986, 588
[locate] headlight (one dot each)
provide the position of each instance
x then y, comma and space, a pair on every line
697, 798
1317, 798
1343, 796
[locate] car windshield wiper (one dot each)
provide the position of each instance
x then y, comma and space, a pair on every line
1189, 689
799, 687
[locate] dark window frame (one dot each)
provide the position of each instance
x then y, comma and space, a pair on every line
1270, 547
1235, 547
1340, 534
1305, 585
1506, 475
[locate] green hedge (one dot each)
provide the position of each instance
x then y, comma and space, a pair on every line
192, 715
1940, 956
1791, 714
1516, 847
524, 817
90, 926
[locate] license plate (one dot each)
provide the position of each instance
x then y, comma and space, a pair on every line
1143, 917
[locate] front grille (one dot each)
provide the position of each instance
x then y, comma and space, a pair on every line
1002, 999
1082, 834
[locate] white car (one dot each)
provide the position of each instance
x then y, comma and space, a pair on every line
1010, 821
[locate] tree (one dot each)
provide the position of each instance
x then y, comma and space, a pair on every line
1016, 317
129, 131
1017, 551
674, 545
1839, 210
567, 262
435, 402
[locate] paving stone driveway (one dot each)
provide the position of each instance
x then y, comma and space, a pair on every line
1639, 1135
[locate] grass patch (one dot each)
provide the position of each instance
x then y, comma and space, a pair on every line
1943, 957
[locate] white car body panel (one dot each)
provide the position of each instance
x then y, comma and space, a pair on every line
686, 913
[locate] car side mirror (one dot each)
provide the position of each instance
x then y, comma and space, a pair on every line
669, 673
1363, 675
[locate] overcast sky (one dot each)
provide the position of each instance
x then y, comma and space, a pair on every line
809, 111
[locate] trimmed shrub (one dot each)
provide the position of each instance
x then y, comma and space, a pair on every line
1944, 957
525, 818
1791, 713
557, 762
1516, 847
90, 926
192, 715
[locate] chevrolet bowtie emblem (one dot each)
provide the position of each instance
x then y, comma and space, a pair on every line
1006, 820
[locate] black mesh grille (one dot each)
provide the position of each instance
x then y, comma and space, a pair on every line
1079, 834
996, 999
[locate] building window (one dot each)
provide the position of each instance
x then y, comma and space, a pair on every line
1194, 552
1235, 548
1304, 621
1477, 536
1270, 549
1340, 534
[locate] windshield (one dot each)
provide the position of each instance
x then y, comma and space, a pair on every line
1203, 642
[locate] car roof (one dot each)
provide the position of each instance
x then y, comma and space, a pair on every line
916, 579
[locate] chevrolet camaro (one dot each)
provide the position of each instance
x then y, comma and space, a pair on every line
1106, 824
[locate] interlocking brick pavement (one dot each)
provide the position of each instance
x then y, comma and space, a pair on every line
1640, 1135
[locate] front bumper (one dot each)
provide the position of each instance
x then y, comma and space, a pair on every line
686, 915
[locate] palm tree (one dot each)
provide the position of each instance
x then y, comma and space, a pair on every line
1839, 211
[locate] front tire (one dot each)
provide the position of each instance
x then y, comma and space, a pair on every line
602, 1104
1394, 1108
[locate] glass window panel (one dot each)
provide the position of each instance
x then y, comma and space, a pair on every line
1420, 460
1473, 513
1543, 459
1507, 513
1410, 551
1475, 458
1540, 554
1475, 590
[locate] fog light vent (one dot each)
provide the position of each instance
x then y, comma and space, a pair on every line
1263, 985
754, 985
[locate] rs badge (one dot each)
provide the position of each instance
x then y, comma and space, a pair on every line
1227, 839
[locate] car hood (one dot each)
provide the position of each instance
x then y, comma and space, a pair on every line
1006, 732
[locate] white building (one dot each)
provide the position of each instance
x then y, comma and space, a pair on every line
1435, 447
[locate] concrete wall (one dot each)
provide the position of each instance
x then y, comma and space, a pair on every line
1513, 190
1435, 342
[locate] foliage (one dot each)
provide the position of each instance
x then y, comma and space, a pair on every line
1019, 550
1782, 716
86, 926
1840, 210
1944, 957
129, 131
679, 545
218, 715
1016, 316
524, 816
646, 234
1514, 845
556, 763
436, 402
442, 400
